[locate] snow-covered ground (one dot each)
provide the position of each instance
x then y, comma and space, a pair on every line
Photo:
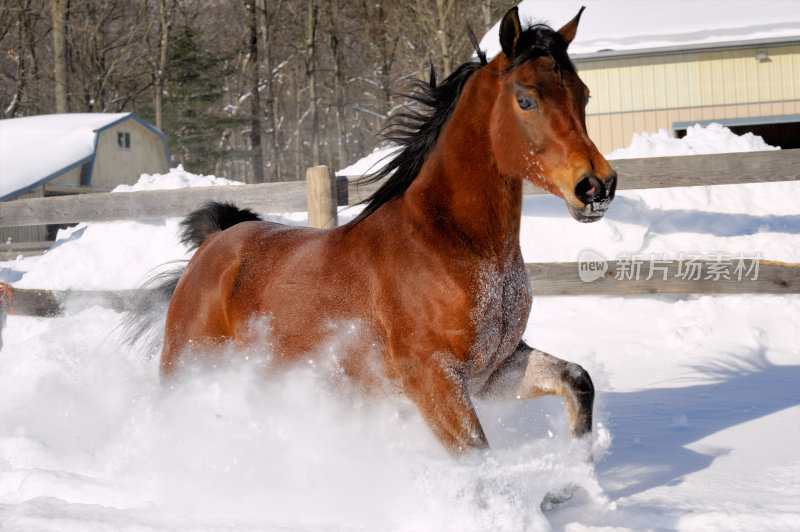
697, 415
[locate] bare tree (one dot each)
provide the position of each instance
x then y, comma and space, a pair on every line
256, 115
15, 38
269, 29
386, 51
334, 41
310, 56
166, 15
58, 10
108, 54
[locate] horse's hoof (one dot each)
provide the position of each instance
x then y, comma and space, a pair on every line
556, 498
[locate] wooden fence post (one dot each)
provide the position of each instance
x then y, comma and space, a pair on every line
322, 211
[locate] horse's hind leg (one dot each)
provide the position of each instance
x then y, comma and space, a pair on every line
530, 373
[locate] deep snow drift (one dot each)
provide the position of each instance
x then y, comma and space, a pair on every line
697, 416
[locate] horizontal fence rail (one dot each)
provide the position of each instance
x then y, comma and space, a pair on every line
547, 279
659, 172
624, 278
683, 171
151, 204
11, 250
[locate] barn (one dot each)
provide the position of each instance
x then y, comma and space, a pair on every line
747, 86
76, 153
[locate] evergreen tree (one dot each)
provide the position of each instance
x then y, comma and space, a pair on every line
194, 121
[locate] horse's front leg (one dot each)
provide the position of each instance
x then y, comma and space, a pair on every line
530, 373
440, 394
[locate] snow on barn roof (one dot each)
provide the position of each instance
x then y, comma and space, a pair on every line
636, 25
35, 149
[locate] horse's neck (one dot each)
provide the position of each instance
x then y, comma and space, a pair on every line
460, 189
459, 185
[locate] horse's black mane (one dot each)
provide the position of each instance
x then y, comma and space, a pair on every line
416, 130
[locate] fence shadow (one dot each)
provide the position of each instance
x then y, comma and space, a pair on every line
667, 221
652, 427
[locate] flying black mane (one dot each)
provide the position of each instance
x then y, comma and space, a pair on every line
416, 130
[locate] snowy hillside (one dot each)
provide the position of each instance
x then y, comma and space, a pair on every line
697, 416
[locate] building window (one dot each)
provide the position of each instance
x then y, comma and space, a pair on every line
85, 175
124, 140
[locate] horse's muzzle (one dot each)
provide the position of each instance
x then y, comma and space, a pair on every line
596, 197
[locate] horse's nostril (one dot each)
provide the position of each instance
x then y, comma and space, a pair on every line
588, 189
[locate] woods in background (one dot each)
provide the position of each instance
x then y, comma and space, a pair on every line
255, 90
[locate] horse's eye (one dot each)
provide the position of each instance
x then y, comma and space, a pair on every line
527, 104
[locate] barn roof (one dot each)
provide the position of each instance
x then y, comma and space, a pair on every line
627, 25
36, 149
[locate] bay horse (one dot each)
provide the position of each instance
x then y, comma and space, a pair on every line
428, 281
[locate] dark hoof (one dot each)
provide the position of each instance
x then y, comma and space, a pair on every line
557, 498
580, 382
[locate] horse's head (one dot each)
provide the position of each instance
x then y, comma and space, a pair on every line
538, 126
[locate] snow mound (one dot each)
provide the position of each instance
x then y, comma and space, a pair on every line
371, 163
714, 138
175, 178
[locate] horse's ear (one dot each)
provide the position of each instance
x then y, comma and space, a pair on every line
509, 31
571, 28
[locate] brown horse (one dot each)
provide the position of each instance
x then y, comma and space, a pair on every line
425, 291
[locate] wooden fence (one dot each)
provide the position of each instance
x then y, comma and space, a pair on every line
324, 192
660, 172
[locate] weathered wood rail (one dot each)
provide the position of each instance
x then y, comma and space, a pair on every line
685, 171
659, 172
264, 198
670, 278
547, 279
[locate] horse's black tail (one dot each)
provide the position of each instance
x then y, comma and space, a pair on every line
212, 217
147, 312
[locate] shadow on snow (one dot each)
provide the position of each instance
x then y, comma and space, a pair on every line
668, 221
652, 427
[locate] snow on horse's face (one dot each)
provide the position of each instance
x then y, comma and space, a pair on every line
539, 127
